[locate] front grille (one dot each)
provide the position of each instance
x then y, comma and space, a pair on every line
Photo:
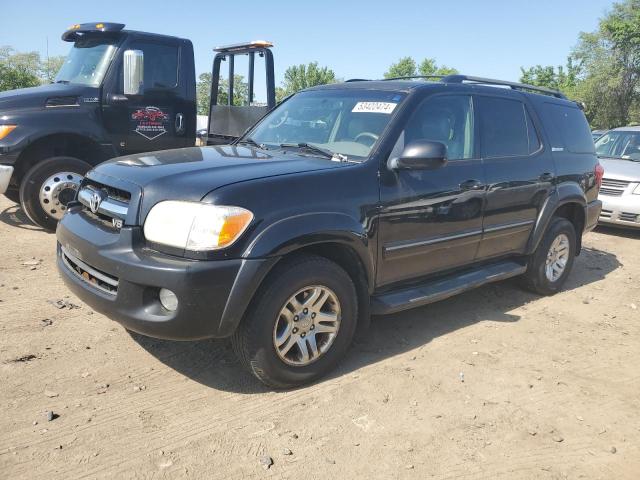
606, 213
112, 207
90, 275
628, 217
613, 188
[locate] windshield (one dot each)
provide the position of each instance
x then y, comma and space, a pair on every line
87, 62
346, 122
619, 144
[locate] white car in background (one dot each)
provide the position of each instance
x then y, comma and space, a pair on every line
619, 154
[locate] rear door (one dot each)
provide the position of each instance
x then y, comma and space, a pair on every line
519, 172
156, 119
431, 220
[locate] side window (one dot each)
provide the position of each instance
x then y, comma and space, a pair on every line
506, 130
568, 128
447, 119
160, 65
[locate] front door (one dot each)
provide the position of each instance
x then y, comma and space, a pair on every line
431, 220
518, 170
156, 119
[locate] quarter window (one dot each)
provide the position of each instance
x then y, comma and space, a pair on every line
569, 129
447, 119
506, 129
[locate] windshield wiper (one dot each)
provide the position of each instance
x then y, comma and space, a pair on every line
63, 81
324, 152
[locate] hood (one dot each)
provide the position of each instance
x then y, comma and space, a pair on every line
38, 96
191, 173
616, 169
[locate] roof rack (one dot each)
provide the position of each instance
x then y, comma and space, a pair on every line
512, 85
244, 47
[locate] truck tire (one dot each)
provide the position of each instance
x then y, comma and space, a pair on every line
551, 264
300, 324
48, 187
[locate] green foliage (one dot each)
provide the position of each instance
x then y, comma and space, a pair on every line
407, 67
299, 77
203, 92
19, 70
603, 70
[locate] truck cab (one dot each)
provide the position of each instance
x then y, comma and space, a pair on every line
119, 92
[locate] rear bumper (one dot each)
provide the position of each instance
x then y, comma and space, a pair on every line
623, 211
591, 215
212, 295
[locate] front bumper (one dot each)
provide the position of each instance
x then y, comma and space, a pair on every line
212, 295
5, 176
621, 210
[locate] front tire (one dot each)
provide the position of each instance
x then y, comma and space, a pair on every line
301, 323
552, 261
48, 187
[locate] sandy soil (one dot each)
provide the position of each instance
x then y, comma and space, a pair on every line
496, 383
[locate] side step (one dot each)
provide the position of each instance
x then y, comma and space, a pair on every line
440, 289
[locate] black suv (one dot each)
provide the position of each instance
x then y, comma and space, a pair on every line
360, 198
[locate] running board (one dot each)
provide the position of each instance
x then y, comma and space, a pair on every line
437, 290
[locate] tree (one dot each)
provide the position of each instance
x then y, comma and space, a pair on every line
51, 67
203, 92
405, 67
561, 78
430, 67
12, 77
299, 77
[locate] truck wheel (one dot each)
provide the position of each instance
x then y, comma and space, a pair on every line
48, 187
301, 323
551, 263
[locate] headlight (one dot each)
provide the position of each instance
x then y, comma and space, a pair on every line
6, 130
195, 226
636, 191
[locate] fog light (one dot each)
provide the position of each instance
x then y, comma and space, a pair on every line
168, 299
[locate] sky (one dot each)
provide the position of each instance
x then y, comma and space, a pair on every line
357, 39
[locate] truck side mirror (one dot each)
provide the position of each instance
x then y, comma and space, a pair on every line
133, 72
420, 155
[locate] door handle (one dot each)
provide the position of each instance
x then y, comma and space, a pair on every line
547, 177
472, 185
179, 124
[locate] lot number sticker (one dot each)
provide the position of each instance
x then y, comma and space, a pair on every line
374, 107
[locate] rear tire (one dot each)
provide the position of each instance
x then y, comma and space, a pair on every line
262, 338
48, 187
552, 261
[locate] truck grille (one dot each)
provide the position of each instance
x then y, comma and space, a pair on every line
628, 217
90, 275
613, 188
105, 204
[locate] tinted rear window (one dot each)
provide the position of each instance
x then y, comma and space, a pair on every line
505, 128
567, 128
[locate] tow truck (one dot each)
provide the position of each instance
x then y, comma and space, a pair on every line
118, 92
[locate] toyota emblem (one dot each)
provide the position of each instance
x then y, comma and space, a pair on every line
94, 201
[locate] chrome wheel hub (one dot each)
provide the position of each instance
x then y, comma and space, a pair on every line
557, 258
57, 191
307, 325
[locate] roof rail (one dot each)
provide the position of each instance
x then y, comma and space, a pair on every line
357, 80
414, 77
513, 85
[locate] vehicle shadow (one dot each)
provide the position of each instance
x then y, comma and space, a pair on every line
14, 216
618, 231
214, 364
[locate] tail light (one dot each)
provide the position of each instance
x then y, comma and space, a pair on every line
599, 172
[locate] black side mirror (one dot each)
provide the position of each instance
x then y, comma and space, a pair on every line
420, 155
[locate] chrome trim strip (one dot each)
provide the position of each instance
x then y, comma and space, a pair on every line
432, 241
110, 207
66, 256
497, 228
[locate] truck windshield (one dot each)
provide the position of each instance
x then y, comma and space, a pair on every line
87, 61
619, 144
348, 122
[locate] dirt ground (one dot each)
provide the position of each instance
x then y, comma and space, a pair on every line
495, 383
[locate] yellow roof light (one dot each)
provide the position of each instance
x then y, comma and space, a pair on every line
100, 25
262, 43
